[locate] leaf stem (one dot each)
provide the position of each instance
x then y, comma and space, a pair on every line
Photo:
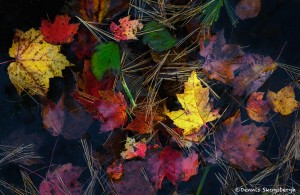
206, 170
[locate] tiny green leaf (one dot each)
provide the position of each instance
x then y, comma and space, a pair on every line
158, 38
106, 58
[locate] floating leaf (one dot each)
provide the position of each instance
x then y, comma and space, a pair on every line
60, 31
127, 29
36, 62
134, 149
62, 180
197, 110
239, 143
158, 37
53, 116
247, 9
172, 164
93, 10
257, 108
283, 101
106, 58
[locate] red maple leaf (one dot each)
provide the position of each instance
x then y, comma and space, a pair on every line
108, 107
172, 164
239, 144
60, 31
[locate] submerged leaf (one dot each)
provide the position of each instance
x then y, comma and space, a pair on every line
283, 101
239, 143
158, 37
93, 10
197, 109
115, 170
36, 62
106, 58
60, 31
247, 9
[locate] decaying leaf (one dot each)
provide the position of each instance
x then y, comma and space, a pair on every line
108, 107
247, 9
134, 149
239, 144
93, 10
283, 101
60, 31
62, 180
197, 109
36, 62
106, 58
115, 170
257, 108
127, 29
230, 65
172, 164
53, 116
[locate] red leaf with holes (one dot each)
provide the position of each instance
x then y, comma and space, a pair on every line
62, 180
239, 144
60, 31
127, 29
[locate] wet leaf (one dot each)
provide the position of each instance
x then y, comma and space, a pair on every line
197, 109
158, 38
108, 107
60, 31
134, 149
106, 58
36, 62
126, 30
172, 164
115, 170
53, 116
257, 108
247, 9
93, 10
283, 101
62, 180
239, 144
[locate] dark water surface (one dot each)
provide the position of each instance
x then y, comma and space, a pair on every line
276, 28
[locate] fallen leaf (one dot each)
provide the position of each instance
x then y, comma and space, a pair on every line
108, 107
134, 149
257, 108
239, 144
133, 181
197, 109
62, 180
283, 101
36, 62
143, 124
115, 170
106, 58
158, 38
126, 30
53, 116
230, 65
93, 10
83, 46
60, 31
247, 9
172, 164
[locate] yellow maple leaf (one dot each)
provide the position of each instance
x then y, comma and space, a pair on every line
284, 101
197, 110
36, 62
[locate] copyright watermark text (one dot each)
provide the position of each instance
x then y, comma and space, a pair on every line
267, 190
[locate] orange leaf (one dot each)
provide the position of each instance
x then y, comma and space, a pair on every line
257, 108
127, 29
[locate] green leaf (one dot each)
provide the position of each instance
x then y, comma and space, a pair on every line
158, 38
106, 58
